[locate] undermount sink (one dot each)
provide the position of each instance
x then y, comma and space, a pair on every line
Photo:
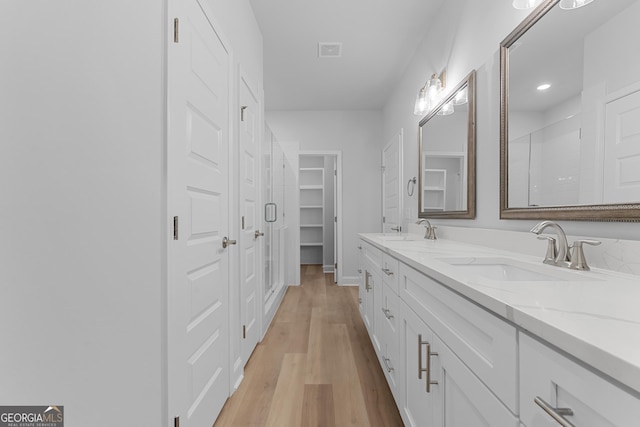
502, 269
399, 237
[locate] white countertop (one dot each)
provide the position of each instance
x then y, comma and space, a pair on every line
592, 315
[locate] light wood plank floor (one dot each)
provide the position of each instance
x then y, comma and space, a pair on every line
315, 367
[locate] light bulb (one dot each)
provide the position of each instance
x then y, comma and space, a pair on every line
525, 4
461, 97
446, 109
573, 4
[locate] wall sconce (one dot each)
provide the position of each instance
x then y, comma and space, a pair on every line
446, 109
573, 4
429, 94
525, 4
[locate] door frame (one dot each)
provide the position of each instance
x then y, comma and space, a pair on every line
397, 138
296, 227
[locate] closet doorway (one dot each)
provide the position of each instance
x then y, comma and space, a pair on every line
320, 199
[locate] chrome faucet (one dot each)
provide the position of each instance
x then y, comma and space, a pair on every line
429, 230
558, 249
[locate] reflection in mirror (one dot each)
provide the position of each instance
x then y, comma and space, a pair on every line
570, 113
447, 156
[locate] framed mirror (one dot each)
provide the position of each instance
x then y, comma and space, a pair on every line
570, 113
447, 140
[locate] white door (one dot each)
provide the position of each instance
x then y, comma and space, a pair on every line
622, 150
198, 196
249, 194
391, 183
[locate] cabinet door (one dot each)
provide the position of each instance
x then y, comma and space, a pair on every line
416, 403
462, 400
561, 383
374, 306
389, 337
361, 283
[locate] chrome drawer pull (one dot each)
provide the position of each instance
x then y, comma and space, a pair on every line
367, 286
557, 414
387, 364
426, 370
387, 313
387, 272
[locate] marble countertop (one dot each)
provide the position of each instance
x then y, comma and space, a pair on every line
592, 315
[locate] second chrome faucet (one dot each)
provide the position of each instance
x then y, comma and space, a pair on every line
429, 230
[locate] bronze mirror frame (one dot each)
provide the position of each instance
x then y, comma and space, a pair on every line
470, 212
625, 212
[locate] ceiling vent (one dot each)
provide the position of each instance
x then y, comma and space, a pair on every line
329, 50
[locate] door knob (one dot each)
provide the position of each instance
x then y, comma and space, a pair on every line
258, 234
226, 242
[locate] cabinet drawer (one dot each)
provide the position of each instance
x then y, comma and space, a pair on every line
485, 343
372, 255
390, 271
563, 383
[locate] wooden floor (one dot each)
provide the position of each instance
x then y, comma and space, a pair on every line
316, 365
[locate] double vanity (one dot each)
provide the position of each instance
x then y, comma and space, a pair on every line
469, 335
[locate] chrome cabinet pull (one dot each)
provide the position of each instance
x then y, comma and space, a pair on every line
398, 228
387, 272
367, 286
557, 414
387, 364
387, 313
426, 370
258, 233
359, 271
270, 212
226, 242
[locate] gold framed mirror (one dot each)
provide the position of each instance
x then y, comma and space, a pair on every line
447, 144
569, 108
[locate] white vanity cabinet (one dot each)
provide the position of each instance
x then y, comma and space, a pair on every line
485, 343
455, 396
558, 382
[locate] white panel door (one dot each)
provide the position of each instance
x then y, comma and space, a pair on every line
391, 191
198, 186
622, 150
249, 193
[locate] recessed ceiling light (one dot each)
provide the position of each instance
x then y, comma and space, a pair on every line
544, 86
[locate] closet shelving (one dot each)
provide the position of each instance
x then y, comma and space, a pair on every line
311, 209
435, 192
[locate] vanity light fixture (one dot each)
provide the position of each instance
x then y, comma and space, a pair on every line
461, 97
525, 4
429, 94
573, 4
446, 109
543, 87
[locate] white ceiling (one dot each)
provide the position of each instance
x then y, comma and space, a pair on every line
379, 38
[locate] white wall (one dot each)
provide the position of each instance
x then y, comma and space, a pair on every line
82, 205
358, 135
466, 36
81, 208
